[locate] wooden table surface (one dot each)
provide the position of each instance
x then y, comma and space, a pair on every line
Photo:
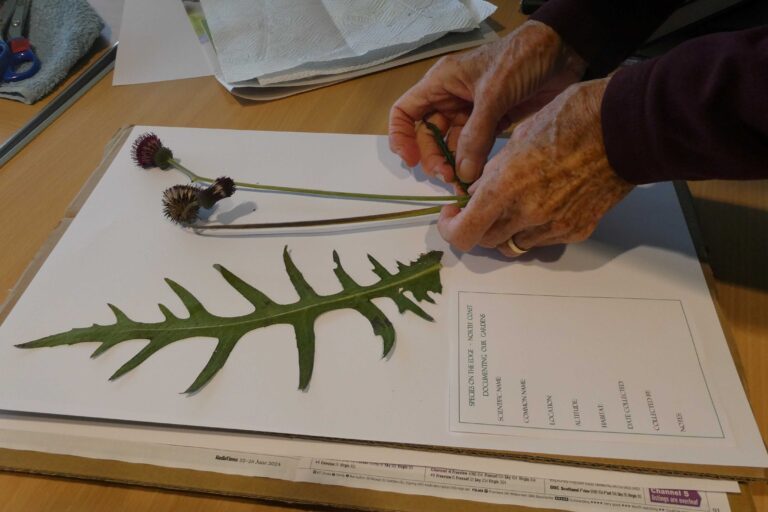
37, 185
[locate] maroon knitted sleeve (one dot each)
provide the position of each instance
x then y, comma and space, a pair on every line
698, 112
605, 32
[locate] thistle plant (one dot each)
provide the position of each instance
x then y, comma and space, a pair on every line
410, 285
182, 203
450, 158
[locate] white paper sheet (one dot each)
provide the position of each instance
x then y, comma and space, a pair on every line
157, 43
119, 250
279, 42
151, 55
253, 90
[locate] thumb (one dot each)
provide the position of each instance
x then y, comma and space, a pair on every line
476, 140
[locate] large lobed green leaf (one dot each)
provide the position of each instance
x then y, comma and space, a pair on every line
419, 278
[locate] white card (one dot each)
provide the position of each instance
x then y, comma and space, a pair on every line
119, 250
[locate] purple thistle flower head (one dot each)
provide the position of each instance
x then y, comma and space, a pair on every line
148, 152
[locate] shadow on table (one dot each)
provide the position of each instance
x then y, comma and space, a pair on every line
735, 239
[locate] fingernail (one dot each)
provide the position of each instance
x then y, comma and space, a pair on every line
467, 171
440, 176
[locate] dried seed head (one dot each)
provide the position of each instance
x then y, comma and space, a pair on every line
180, 203
221, 188
148, 152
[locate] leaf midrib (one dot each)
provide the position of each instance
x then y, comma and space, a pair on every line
341, 297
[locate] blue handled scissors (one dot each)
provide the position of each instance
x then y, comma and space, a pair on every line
18, 60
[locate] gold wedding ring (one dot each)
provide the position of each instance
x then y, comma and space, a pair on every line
515, 249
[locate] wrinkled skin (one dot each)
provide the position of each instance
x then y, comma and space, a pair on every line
552, 182
475, 95
549, 185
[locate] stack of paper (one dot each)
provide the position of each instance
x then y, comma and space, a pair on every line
610, 349
288, 47
263, 51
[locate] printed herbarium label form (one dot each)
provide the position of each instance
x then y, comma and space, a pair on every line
623, 352
119, 250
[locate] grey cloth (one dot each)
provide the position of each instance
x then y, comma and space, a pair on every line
61, 32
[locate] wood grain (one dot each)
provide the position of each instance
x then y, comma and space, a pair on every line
733, 217
38, 184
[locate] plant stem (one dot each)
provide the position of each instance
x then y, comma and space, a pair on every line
461, 200
325, 222
450, 158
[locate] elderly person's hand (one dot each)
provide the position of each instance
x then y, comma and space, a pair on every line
475, 95
550, 184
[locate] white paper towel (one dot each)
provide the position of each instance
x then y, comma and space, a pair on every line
293, 39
